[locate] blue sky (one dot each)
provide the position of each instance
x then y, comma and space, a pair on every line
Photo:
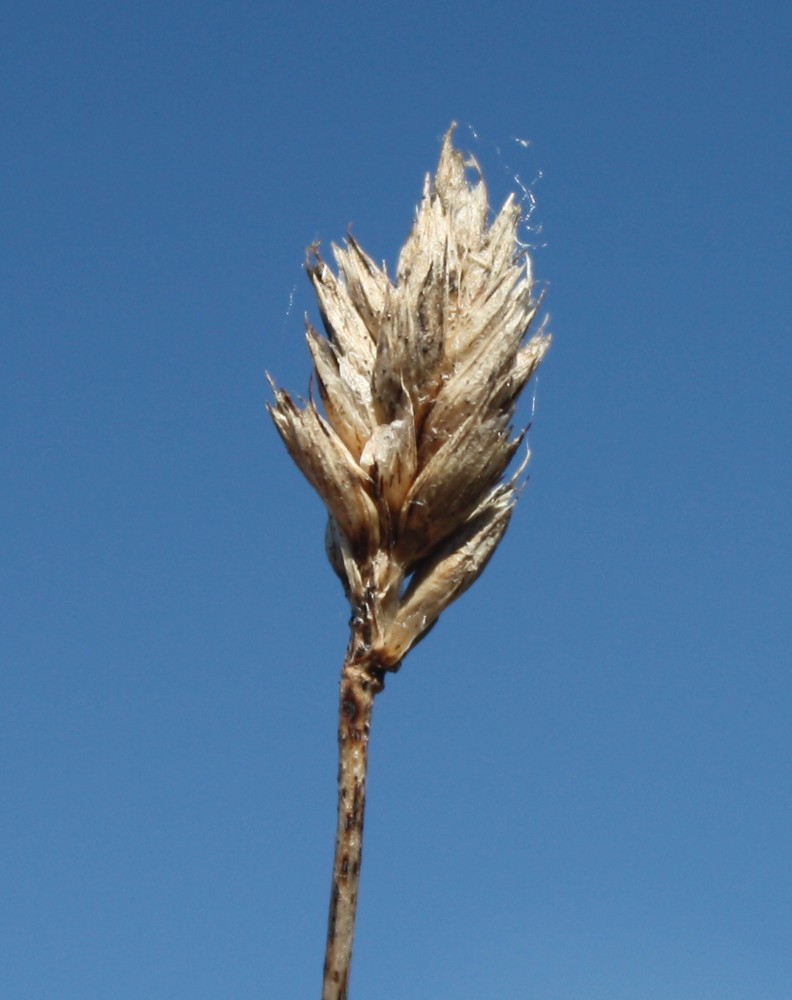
580, 783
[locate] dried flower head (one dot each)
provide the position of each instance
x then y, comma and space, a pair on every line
419, 379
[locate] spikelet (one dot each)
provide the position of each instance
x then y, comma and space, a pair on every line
419, 379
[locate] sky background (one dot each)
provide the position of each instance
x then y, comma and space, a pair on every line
581, 782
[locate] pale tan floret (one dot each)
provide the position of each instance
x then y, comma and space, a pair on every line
419, 379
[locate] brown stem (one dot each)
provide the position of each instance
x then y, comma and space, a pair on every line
360, 681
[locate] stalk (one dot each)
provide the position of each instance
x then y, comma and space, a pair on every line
360, 683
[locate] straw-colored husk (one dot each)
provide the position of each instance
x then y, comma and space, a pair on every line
418, 379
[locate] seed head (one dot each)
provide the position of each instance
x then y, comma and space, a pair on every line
419, 378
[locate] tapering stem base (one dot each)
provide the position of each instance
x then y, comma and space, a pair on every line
360, 682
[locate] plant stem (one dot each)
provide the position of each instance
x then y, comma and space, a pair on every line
361, 680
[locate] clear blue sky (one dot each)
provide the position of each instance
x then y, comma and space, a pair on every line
581, 782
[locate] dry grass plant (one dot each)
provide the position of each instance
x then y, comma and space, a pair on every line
418, 379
